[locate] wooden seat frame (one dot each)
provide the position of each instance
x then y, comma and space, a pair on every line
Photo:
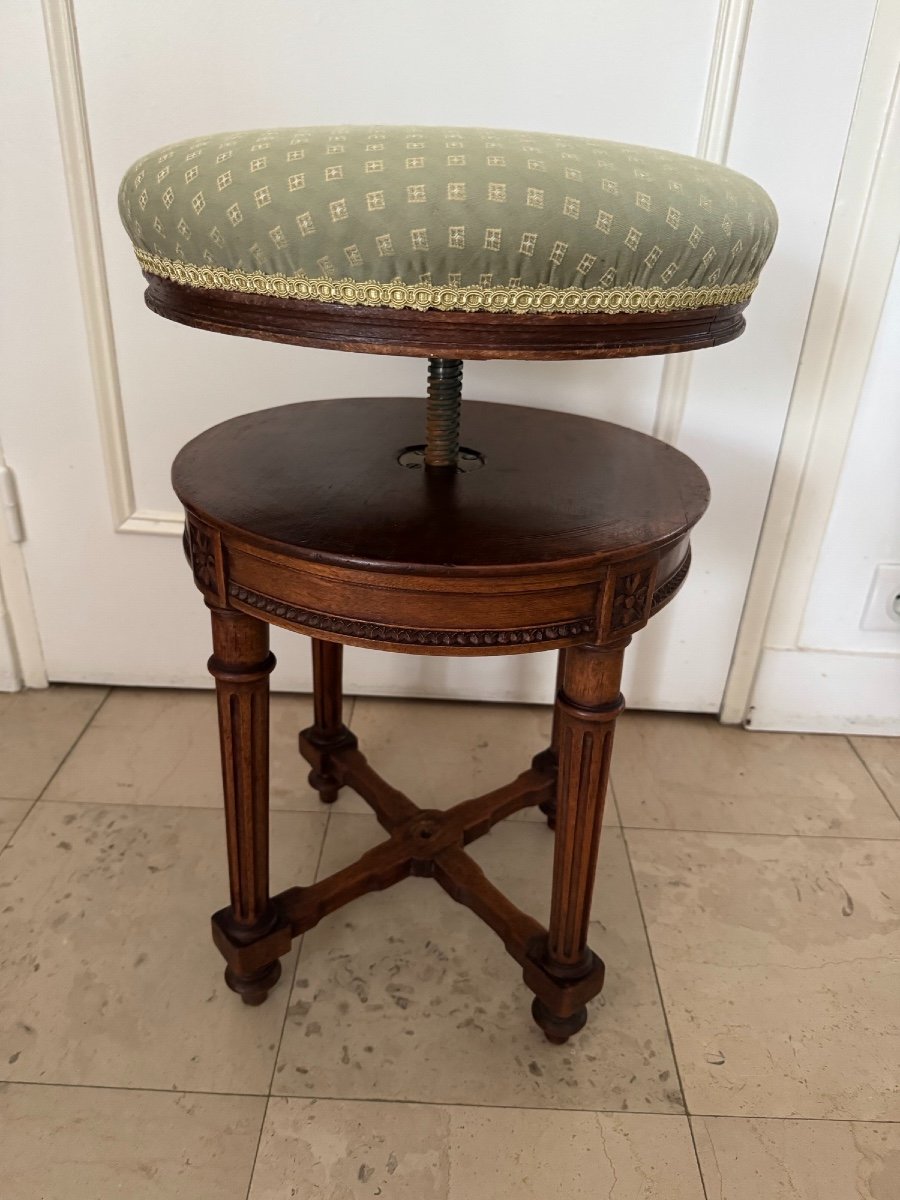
586, 607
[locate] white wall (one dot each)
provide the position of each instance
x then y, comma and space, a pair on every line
38, 299
864, 528
838, 676
103, 393
834, 510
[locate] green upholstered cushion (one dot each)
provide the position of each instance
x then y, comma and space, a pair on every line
448, 218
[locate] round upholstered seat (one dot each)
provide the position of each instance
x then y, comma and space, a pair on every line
472, 220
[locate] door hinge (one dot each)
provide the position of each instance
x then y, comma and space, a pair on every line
9, 502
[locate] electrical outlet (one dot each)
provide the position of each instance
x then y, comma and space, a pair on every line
882, 611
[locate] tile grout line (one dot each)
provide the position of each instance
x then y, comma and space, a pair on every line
287, 1006
59, 766
820, 1120
515, 818
662, 1005
136, 804
100, 803
691, 1117
871, 775
18, 825
215, 806
825, 837
611, 789
71, 750
609, 1112
804, 837
118, 1087
612, 1112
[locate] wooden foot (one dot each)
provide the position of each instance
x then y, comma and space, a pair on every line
326, 785
328, 733
587, 705
558, 1030
254, 988
241, 664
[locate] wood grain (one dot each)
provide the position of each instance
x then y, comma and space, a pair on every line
435, 334
241, 664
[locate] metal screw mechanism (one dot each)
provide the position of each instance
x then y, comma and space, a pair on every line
442, 419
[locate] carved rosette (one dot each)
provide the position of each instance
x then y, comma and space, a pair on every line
204, 546
630, 600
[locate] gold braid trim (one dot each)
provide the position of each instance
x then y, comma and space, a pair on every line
447, 299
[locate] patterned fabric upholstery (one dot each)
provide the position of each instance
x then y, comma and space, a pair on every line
448, 218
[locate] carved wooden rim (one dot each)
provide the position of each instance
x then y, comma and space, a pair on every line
370, 631
443, 334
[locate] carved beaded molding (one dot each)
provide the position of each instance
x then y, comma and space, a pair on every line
667, 590
347, 627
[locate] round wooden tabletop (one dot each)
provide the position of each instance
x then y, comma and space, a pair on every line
341, 481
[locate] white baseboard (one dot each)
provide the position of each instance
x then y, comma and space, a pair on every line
10, 678
822, 691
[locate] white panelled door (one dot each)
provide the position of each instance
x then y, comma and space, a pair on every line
103, 393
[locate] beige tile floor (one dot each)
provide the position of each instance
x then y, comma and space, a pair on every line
748, 907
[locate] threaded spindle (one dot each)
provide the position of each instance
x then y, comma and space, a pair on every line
442, 418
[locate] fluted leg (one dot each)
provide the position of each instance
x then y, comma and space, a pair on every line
548, 760
587, 706
241, 664
328, 731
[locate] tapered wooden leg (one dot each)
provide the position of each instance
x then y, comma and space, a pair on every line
241, 664
587, 706
328, 732
548, 760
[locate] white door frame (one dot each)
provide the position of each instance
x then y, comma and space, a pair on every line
21, 654
855, 274
68, 94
